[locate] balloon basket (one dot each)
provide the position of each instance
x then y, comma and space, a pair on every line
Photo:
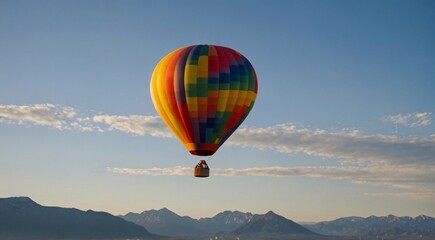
201, 169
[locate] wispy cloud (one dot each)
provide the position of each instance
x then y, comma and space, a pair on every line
37, 114
417, 119
67, 118
134, 124
416, 179
408, 174
174, 171
347, 146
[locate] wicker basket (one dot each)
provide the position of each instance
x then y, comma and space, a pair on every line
201, 172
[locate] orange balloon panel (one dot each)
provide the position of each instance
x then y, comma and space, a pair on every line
203, 93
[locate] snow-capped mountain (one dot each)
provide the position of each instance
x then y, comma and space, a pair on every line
166, 222
386, 227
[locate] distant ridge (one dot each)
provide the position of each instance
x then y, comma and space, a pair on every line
273, 224
165, 222
226, 221
385, 227
22, 218
231, 224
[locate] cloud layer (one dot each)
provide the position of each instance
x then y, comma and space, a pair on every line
397, 162
346, 146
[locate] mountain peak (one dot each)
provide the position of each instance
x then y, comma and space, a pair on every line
270, 216
423, 217
18, 201
165, 210
20, 198
271, 223
164, 221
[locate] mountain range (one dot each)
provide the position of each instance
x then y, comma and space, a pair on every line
22, 218
387, 227
226, 223
233, 224
169, 223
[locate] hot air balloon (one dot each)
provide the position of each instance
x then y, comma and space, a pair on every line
203, 93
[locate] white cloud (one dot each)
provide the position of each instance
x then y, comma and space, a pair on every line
37, 114
135, 124
418, 119
347, 146
67, 118
174, 171
82, 127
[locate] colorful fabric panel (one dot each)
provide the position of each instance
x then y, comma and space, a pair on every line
203, 93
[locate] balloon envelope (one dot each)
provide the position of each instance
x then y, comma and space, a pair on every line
203, 93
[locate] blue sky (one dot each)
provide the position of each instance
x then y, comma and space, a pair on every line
342, 125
